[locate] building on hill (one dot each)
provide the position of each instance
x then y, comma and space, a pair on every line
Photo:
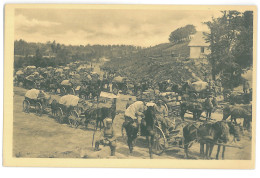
198, 46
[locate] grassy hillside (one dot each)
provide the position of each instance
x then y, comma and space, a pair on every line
157, 63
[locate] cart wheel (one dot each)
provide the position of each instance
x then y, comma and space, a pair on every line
159, 141
26, 106
74, 119
38, 109
59, 115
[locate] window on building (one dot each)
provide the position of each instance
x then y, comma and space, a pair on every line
202, 49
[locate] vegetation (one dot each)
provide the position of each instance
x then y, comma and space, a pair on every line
55, 54
182, 34
231, 45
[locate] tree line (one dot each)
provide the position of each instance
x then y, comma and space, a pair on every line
55, 54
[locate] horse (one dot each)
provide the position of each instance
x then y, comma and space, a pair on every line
147, 129
209, 134
197, 106
99, 114
239, 111
84, 91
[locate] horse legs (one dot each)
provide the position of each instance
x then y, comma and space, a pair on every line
209, 114
207, 150
149, 139
223, 152
186, 149
198, 115
130, 145
201, 149
218, 152
211, 149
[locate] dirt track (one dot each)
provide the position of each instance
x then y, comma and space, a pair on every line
43, 137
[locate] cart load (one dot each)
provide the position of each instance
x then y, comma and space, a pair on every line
19, 72
36, 99
108, 95
36, 94
66, 83
199, 86
59, 70
30, 67
30, 77
69, 100
119, 79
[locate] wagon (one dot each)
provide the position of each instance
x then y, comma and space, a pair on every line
120, 83
161, 142
66, 88
37, 100
172, 102
69, 109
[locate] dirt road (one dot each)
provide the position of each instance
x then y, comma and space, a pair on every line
43, 137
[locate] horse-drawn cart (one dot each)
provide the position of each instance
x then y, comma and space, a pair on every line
68, 108
120, 83
157, 138
36, 99
66, 88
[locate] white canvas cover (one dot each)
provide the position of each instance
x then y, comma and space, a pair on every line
36, 73
108, 95
118, 79
69, 100
19, 72
30, 77
32, 94
199, 86
30, 67
58, 70
65, 82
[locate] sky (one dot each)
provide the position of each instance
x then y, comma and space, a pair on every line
95, 26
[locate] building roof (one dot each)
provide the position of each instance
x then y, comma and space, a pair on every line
198, 40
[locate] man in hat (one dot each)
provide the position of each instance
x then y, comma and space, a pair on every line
162, 116
134, 114
107, 137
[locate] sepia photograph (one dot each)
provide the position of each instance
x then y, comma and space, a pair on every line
130, 83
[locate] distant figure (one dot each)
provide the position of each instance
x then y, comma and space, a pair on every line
245, 86
107, 137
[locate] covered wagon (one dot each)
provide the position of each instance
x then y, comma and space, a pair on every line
36, 99
66, 87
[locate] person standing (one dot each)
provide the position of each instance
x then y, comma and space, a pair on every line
107, 137
134, 114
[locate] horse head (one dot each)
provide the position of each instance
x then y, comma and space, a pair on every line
221, 131
235, 130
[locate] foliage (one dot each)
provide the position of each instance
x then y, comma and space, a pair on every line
231, 45
55, 54
182, 34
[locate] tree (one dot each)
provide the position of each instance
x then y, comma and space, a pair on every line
231, 44
182, 34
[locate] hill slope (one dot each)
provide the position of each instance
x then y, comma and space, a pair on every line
158, 64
